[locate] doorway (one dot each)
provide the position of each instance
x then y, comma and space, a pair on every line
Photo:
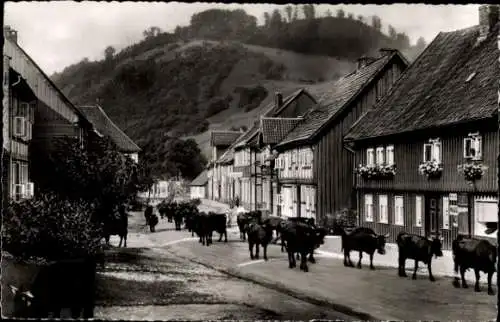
432, 214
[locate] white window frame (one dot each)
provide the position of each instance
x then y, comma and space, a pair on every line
383, 213
389, 155
476, 142
368, 199
419, 209
399, 219
427, 146
446, 213
370, 156
436, 149
479, 211
19, 126
380, 155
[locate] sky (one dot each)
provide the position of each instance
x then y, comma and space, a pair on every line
60, 33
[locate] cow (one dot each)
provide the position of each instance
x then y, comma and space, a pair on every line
243, 219
478, 254
362, 239
418, 248
190, 221
319, 234
275, 223
117, 225
216, 222
299, 238
259, 234
151, 218
64, 284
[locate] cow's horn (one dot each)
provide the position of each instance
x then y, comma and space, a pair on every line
28, 294
386, 235
13, 289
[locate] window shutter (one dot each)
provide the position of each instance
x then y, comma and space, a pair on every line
418, 211
446, 214
467, 146
437, 151
479, 147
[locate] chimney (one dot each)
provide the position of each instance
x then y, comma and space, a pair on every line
488, 18
10, 33
278, 99
386, 51
365, 61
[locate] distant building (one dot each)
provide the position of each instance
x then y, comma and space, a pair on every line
198, 187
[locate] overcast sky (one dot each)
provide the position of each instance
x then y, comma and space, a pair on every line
60, 33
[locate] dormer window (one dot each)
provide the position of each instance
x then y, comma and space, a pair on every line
473, 147
432, 151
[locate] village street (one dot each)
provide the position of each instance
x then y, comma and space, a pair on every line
146, 281
364, 294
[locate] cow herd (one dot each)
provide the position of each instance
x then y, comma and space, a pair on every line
300, 237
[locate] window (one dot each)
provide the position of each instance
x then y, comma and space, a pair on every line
369, 208
389, 155
370, 157
418, 211
382, 209
380, 155
473, 147
446, 213
486, 210
399, 211
432, 151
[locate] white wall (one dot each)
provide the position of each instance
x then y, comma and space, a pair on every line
197, 192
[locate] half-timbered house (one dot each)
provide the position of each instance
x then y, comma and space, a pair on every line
314, 167
248, 151
198, 187
426, 153
34, 111
220, 141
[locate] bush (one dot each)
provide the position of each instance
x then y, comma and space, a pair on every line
251, 98
216, 106
50, 228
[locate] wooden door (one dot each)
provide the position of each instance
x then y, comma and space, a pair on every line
432, 214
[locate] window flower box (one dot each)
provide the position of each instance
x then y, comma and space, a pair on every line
376, 171
472, 171
430, 169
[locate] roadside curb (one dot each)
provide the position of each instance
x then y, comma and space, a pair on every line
280, 287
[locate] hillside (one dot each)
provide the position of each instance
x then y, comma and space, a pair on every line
217, 77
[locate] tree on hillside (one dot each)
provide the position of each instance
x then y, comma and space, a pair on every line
340, 13
392, 32
328, 13
267, 19
361, 18
421, 44
309, 11
403, 40
151, 32
350, 16
276, 21
376, 23
295, 13
289, 12
109, 52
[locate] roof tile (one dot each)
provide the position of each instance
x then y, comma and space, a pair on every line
223, 138
200, 180
274, 129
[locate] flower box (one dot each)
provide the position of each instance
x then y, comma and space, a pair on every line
376, 171
430, 169
472, 171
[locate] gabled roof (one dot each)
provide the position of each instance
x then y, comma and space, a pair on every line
334, 97
439, 88
274, 129
271, 111
228, 156
223, 138
200, 180
104, 125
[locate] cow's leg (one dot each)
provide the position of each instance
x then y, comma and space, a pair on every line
225, 235
121, 240
414, 276
462, 274
75, 312
490, 289
311, 257
303, 261
402, 264
264, 246
360, 258
291, 259
478, 276
298, 256
125, 240
88, 311
456, 282
371, 261
257, 246
250, 248
429, 268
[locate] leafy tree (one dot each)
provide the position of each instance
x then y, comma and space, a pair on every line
289, 12
267, 19
328, 13
109, 52
276, 21
350, 16
376, 23
309, 11
151, 32
340, 13
403, 40
295, 13
392, 32
421, 44
361, 18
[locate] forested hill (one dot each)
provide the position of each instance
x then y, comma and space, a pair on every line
218, 73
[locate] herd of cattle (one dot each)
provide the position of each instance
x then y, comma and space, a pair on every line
300, 237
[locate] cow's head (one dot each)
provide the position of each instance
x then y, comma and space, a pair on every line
22, 300
381, 243
320, 234
436, 246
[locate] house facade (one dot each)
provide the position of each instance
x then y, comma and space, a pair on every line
198, 187
253, 165
427, 153
315, 170
220, 141
34, 111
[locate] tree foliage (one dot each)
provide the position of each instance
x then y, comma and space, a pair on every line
109, 52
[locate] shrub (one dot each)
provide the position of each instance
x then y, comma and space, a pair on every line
50, 228
216, 106
251, 98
